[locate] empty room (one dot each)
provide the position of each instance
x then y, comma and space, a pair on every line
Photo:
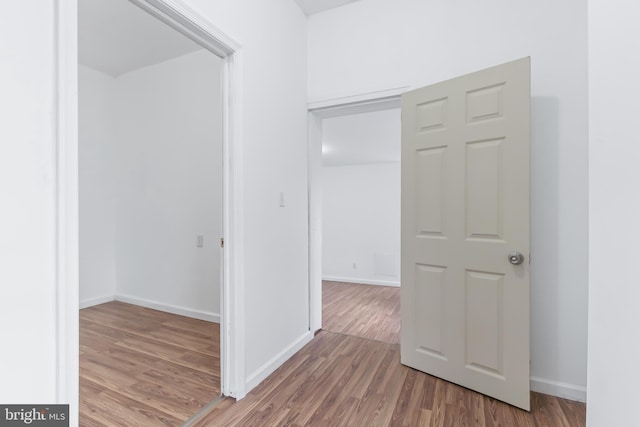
360, 185
150, 162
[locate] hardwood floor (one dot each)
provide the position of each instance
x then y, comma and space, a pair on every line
350, 375
365, 311
341, 380
142, 367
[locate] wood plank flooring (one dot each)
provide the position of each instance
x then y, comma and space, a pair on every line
142, 367
350, 375
365, 311
341, 380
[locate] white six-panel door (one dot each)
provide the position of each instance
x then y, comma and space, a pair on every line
465, 208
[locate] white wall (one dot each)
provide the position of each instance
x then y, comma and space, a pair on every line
96, 152
28, 214
361, 223
150, 146
273, 146
169, 185
375, 45
614, 209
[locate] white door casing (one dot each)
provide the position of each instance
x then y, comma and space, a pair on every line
465, 208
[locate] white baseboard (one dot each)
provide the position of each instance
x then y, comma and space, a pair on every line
268, 368
174, 309
558, 389
96, 301
362, 281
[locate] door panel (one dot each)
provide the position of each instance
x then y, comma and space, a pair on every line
484, 189
465, 207
429, 283
430, 167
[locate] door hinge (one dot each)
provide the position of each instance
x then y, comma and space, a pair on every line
222, 242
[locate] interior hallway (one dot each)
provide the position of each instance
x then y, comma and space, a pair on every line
143, 367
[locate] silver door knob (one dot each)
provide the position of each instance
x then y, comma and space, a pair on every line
516, 258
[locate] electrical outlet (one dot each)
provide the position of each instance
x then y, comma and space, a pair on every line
200, 241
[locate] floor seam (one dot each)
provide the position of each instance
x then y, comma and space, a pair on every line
205, 410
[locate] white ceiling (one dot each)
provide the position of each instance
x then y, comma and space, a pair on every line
310, 7
116, 37
361, 138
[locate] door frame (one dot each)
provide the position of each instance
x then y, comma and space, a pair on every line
65, 110
318, 111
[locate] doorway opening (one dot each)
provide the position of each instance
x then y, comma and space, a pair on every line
354, 165
154, 186
361, 224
